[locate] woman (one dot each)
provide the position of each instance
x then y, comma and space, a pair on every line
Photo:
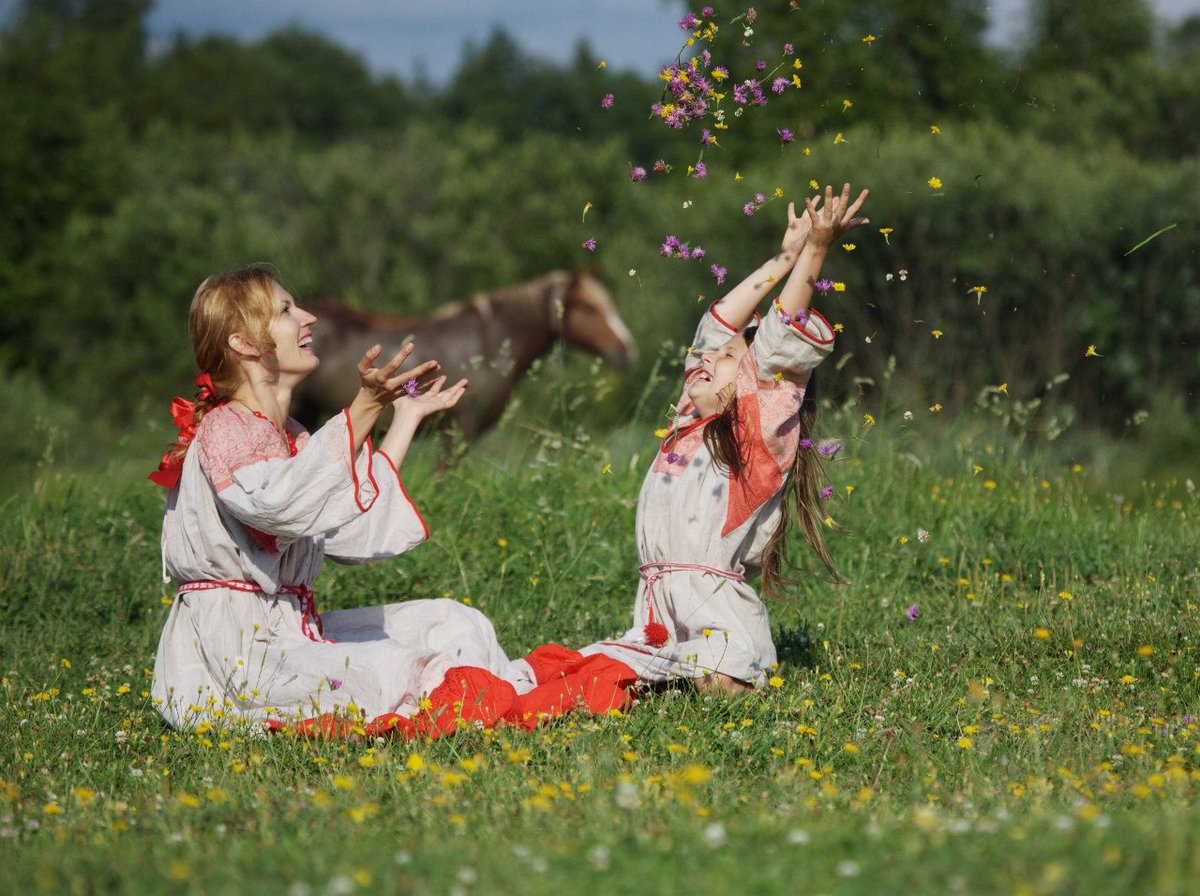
254, 505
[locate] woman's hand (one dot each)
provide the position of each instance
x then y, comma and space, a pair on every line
417, 404
837, 216
382, 386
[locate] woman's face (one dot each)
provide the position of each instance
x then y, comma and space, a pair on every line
291, 329
712, 387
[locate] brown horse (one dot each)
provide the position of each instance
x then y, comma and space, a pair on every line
492, 339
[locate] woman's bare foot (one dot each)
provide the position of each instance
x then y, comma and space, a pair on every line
719, 683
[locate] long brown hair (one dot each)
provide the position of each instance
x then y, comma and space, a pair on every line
801, 493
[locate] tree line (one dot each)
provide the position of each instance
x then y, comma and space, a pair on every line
128, 174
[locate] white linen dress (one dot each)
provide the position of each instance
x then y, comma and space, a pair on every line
701, 532
244, 534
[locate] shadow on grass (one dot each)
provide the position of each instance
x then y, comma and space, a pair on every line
795, 645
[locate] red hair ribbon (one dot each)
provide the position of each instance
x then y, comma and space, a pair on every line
183, 415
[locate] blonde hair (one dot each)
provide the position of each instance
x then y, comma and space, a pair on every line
241, 301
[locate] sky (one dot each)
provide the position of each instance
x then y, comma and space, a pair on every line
411, 38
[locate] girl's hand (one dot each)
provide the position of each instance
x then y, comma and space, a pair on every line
837, 216
416, 404
797, 230
383, 385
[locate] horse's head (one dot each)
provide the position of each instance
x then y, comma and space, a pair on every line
590, 322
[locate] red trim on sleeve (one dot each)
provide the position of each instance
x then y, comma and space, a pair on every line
801, 327
404, 491
354, 467
712, 309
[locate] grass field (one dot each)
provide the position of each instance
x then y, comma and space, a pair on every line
1034, 730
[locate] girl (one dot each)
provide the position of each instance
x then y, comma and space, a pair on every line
714, 506
255, 503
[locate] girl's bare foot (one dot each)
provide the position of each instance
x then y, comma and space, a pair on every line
720, 683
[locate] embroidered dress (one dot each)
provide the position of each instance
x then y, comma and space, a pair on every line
245, 533
701, 532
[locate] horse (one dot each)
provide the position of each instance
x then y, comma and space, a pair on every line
490, 339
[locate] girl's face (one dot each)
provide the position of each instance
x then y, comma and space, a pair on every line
291, 329
712, 388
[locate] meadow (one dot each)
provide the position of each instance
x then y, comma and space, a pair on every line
1002, 700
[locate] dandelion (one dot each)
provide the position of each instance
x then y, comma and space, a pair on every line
1041, 634
935, 183
775, 681
637, 174
607, 102
785, 135
964, 743
913, 612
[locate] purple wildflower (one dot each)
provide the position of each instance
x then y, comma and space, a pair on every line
637, 174
411, 388
788, 49
760, 66
748, 209
707, 138
720, 70
590, 244
701, 171
751, 15
607, 102
827, 493
707, 12
823, 285
785, 135
739, 94
660, 167
690, 21
806, 444
706, 58
334, 683
673, 458
779, 85
718, 272
830, 449
699, 252
684, 252
759, 198
913, 612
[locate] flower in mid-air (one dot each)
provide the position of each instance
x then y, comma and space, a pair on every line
638, 173
590, 244
913, 612
607, 102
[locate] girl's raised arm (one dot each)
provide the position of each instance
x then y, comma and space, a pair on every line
826, 224
740, 303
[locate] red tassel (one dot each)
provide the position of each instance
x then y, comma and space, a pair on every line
656, 634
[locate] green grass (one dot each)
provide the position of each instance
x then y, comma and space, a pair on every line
1034, 730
